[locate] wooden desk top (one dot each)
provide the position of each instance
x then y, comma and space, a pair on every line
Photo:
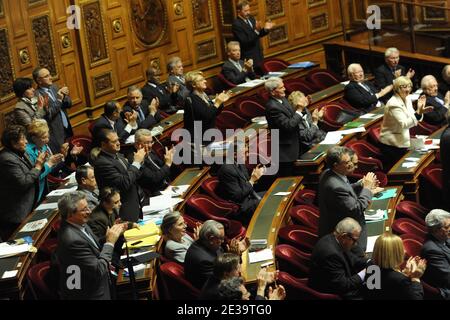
267, 220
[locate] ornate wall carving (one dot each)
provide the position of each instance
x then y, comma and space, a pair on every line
103, 84
6, 71
95, 33
318, 22
36, 2
43, 41
278, 35
314, 3
201, 10
274, 8
226, 12
149, 21
206, 49
1, 9
435, 14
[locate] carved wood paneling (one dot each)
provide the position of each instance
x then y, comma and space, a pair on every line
298, 26
274, 8
36, 2
315, 3
6, 71
70, 71
435, 14
43, 41
278, 35
103, 84
2, 10
127, 73
226, 12
388, 13
201, 13
318, 22
149, 20
95, 33
17, 21
206, 49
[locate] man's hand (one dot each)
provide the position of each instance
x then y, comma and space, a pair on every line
153, 106
279, 293
370, 181
76, 150
248, 65
113, 233
42, 102
385, 91
168, 156
269, 25
410, 73
196, 233
131, 118
139, 156
64, 149
62, 92
316, 116
257, 173
397, 73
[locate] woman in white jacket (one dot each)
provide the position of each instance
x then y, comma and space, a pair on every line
399, 117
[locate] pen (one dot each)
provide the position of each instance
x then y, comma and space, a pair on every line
137, 242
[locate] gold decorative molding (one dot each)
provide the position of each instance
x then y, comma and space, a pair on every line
7, 75
201, 15
24, 56
65, 41
103, 84
178, 9
117, 25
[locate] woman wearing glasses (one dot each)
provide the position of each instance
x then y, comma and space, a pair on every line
399, 117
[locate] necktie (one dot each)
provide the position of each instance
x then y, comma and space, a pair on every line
64, 119
249, 23
121, 162
141, 115
439, 100
89, 236
238, 65
365, 86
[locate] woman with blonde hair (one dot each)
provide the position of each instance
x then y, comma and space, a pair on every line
396, 284
399, 117
198, 106
38, 138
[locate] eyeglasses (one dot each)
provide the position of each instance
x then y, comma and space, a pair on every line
351, 237
405, 86
85, 209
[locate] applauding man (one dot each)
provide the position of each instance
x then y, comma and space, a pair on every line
234, 69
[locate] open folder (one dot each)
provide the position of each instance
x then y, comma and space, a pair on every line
146, 235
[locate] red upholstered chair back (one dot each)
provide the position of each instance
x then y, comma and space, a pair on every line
298, 289
374, 135
412, 210
405, 225
227, 84
305, 196
230, 120
36, 277
330, 114
300, 237
179, 288
274, 65
423, 128
209, 185
292, 85
250, 108
306, 215
431, 186
433, 174
323, 78
91, 128
83, 141
292, 260
429, 292
412, 244
264, 94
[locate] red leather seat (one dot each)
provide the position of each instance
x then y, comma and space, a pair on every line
209, 185
431, 186
332, 111
250, 108
368, 155
323, 78
47, 248
405, 225
298, 289
374, 135
305, 196
412, 210
39, 287
226, 83
423, 128
229, 120
91, 128
306, 215
292, 85
412, 244
273, 65
300, 237
264, 94
211, 209
83, 141
178, 287
292, 260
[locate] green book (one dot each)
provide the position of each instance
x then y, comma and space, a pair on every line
354, 124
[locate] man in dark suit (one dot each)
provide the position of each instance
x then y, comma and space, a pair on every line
282, 116
176, 77
148, 115
444, 83
234, 69
390, 70
168, 98
248, 31
338, 198
113, 170
87, 185
362, 94
235, 184
84, 265
155, 175
440, 104
111, 119
436, 250
200, 257
58, 103
19, 183
444, 146
335, 268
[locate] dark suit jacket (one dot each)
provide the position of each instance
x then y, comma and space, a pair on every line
199, 263
195, 109
210, 290
310, 134
338, 200
384, 77
167, 102
149, 120
437, 273
99, 221
75, 248
334, 270
19, 186
183, 91
231, 73
24, 113
249, 40
395, 286
58, 134
437, 117
234, 185
443, 87
445, 161
359, 97
283, 117
110, 172
103, 123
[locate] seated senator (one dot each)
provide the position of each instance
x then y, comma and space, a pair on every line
438, 102
234, 69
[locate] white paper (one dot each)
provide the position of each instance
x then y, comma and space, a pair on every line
413, 159
345, 82
332, 137
276, 73
7, 250
281, 193
60, 192
368, 116
175, 190
379, 215
71, 178
409, 164
130, 139
156, 131
46, 206
160, 203
371, 243
136, 268
261, 255
251, 84
34, 225
353, 130
137, 254
180, 111
9, 274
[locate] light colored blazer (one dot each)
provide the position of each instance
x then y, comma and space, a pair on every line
398, 118
176, 251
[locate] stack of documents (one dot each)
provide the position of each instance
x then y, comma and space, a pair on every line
261, 255
332, 137
7, 250
372, 215
146, 235
160, 203
34, 225
156, 131
410, 162
276, 74
304, 64
175, 191
60, 192
251, 84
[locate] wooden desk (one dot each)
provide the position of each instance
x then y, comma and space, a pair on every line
269, 216
409, 177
